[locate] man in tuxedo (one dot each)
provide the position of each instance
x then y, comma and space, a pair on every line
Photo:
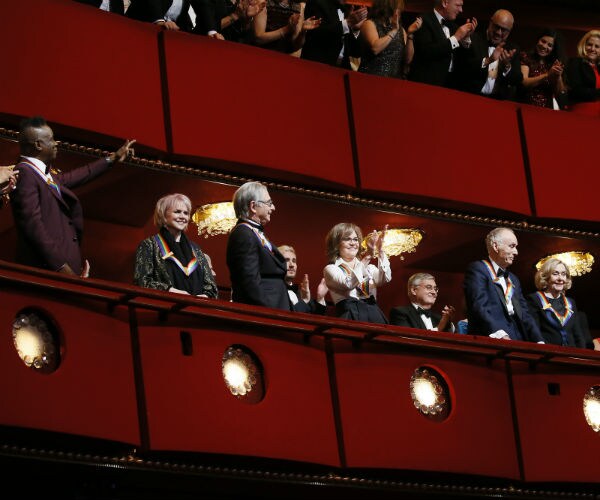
171, 14
300, 295
116, 6
495, 303
47, 214
335, 40
491, 66
436, 43
256, 267
422, 293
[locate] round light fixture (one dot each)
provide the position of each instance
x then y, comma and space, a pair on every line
242, 374
430, 394
36, 340
591, 407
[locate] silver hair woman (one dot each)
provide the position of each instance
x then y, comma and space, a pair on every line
168, 260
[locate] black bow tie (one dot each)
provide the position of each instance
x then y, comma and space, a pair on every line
491, 44
502, 272
426, 312
443, 22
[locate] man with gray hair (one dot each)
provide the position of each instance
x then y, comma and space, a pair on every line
495, 303
422, 293
257, 269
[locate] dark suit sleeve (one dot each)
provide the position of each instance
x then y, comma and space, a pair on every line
399, 316
145, 273
206, 19
85, 174
428, 45
532, 330
477, 298
579, 335
146, 10
244, 265
27, 212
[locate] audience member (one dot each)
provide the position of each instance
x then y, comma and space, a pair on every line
422, 293
495, 303
171, 14
387, 48
281, 26
226, 19
116, 6
554, 312
583, 76
353, 281
491, 66
300, 295
47, 214
542, 69
168, 260
257, 269
437, 41
335, 39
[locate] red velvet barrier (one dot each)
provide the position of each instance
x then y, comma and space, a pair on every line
564, 162
428, 141
83, 68
190, 408
92, 393
557, 443
383, 429
237, 104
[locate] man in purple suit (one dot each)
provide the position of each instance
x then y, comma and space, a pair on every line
47, 214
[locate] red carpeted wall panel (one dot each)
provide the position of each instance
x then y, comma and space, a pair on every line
431, 142
84, 68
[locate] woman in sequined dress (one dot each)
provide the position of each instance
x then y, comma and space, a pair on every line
387, 47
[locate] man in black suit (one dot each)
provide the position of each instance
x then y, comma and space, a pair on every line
115, 6
257, 269
495, 303
491, 66
335, 40
422, 293
171, 14
300, 295
436, 43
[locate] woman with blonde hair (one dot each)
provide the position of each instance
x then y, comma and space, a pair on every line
351, 278
583, 76
168, 260
555, 313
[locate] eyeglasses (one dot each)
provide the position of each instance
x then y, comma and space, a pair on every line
431, 288
501, 29
353, 240
269, 203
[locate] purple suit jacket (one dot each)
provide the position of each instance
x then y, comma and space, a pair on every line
49, 226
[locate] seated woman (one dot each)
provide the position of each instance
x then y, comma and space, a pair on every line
168, 260
353, 282
542, 70
386, 48
583, 76
554, 312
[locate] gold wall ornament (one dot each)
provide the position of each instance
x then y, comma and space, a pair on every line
398, 241
215, 218
579, 263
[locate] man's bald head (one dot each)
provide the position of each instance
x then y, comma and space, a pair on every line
500, 26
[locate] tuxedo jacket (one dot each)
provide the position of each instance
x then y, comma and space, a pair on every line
410, 317
257, 273
324, 43
116, 6
581, 81
486, 307
50, 225
550, 327
471, 77
433, 52
312, 306
153, 10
